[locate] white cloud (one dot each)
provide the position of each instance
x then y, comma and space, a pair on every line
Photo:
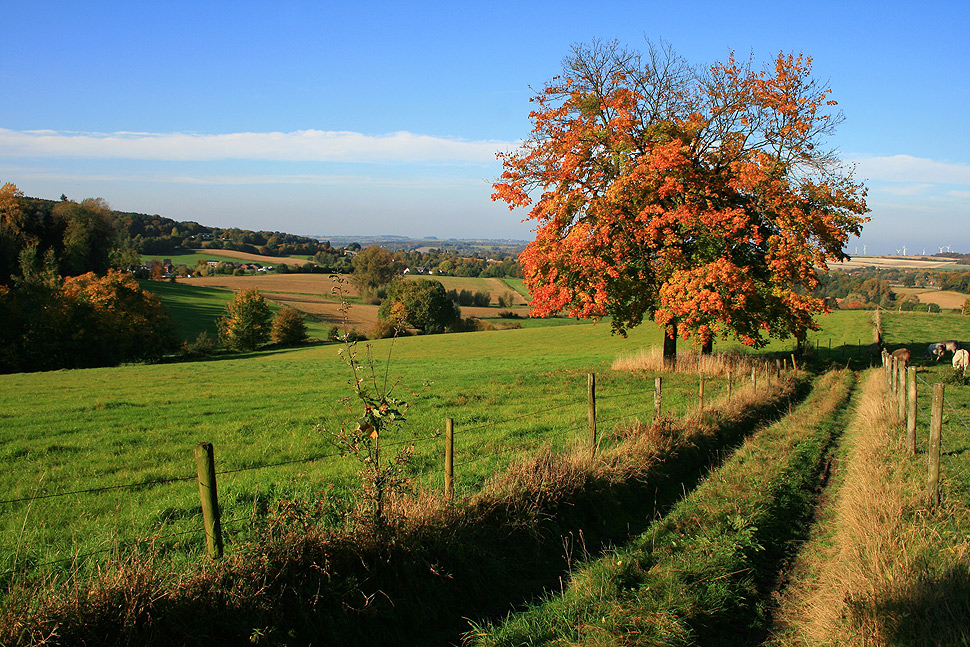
426, 182
297, 146
911, 170
906, 189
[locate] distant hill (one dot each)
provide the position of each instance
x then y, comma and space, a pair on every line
457, 245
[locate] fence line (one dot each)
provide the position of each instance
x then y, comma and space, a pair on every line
569, 429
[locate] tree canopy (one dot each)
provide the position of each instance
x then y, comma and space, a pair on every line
247, 322
374, 268
422, 304
705, 200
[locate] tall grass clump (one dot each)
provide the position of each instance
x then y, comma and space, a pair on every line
651, 359
885, 569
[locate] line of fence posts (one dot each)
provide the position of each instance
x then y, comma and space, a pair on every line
901, 381
205, 456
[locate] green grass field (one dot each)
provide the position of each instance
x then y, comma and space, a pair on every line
508, 392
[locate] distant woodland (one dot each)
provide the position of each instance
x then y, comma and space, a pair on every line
69, 297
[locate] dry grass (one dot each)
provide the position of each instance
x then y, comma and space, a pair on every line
882, 572
717, 364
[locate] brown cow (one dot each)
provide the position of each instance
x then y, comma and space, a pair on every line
902, 354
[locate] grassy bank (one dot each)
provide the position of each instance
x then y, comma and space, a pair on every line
698, 575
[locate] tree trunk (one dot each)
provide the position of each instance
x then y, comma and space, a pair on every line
670, 347
707, 348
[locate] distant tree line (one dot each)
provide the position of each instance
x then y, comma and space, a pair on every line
870, 287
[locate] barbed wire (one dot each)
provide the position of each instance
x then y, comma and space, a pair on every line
137, 484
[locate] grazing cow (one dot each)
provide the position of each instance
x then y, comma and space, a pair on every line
902, 355
934, 351
950, 346
961, 358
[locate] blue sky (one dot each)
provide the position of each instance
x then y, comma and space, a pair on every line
324, 118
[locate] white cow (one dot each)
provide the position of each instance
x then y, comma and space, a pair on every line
961, 359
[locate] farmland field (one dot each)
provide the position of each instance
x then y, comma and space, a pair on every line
912, 262
191, 259
946, 299
314, 294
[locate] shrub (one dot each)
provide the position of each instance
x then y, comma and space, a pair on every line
385, 330
288, 328
203, 346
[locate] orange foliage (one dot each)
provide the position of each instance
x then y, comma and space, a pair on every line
704, 202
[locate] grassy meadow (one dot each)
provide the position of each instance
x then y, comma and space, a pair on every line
67, 431
509, 392
111, 449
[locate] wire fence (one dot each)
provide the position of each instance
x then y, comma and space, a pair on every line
961, 473
573, 428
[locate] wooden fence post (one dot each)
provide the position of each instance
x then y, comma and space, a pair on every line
936, 430
754, 377
901, 391
591, 400
205, 465
700, 393
449, 458
730, 378
657, 401
911, 413
794, 364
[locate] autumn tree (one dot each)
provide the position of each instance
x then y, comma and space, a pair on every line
705, 200
12, 228
246, 324
421, 303
288, 328
51, 323
374, 268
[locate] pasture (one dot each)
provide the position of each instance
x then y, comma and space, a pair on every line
132, 428
71, 431
916, 330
